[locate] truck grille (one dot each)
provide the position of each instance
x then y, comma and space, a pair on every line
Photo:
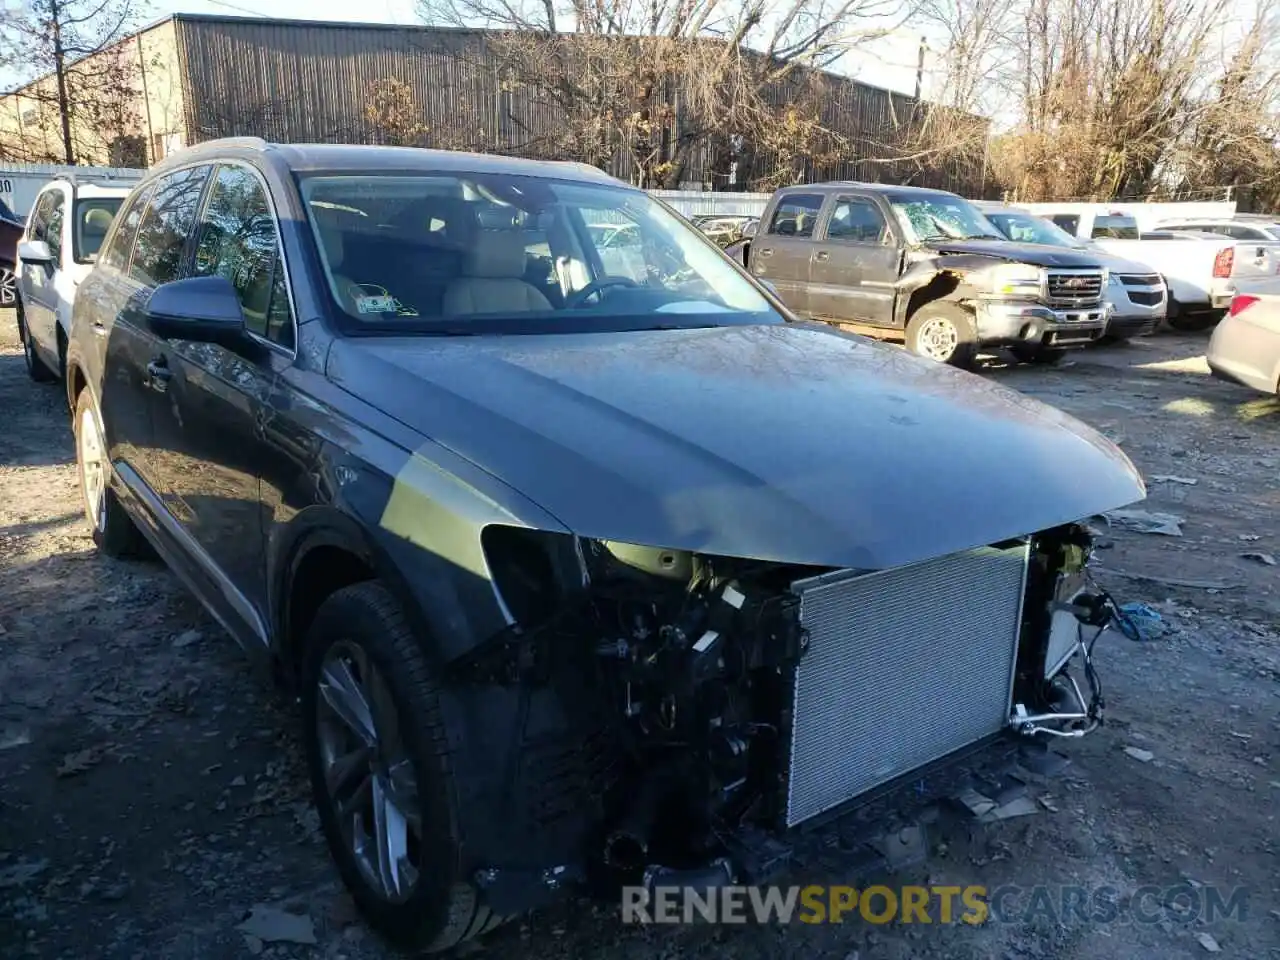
903, 667
1140, 279
1071, 288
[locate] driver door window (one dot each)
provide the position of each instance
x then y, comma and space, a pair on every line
238, 241
857, 221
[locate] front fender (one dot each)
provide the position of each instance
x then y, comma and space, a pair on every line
944, 277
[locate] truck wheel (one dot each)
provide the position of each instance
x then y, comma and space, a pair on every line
944, 332
1191, 322
378, 755
1032, 353
8, 286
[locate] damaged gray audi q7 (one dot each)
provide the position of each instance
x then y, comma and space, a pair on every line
585, 561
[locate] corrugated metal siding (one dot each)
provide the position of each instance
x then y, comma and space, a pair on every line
308, 82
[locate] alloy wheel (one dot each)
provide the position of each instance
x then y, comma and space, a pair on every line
8, 288
371, 782
938, 339
93, 468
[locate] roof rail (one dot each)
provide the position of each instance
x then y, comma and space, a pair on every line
99, 177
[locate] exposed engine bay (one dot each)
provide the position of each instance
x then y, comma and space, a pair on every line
713, 706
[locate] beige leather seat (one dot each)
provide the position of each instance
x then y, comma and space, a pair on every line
334, 250
94, 230
493, 278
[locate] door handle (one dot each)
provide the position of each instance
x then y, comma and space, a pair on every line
766, 252
822, 255
158, 374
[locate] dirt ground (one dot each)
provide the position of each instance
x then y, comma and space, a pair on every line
151, 794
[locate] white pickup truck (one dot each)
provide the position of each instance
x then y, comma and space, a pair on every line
1202, 272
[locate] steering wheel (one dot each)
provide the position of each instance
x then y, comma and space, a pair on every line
595, 287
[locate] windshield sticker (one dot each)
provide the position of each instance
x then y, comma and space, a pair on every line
376, 304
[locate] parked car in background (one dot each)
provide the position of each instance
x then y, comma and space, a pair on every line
11, 227
61, 241
723, 229
1202, 271
1245, 346
1240, 226
927, 266
569, 577
1136, 295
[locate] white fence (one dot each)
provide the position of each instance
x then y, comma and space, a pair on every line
692, 202
20, 182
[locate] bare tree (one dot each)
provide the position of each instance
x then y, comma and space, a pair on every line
654, 82
89, 85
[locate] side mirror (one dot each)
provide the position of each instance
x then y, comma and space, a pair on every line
203, 309
35, 251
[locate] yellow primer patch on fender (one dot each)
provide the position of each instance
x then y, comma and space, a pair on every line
434, 511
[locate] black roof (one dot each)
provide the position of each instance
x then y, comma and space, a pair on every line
363, 158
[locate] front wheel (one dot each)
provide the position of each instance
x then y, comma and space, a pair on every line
944, 332
112, 528
36, 368
8, 287
378, 757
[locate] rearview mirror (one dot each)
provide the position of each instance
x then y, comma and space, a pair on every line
35, 251
203, 309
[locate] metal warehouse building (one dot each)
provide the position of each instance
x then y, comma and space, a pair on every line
191, 78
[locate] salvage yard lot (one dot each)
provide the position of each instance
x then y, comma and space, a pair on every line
152, 795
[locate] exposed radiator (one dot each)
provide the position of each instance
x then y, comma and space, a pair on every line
903, 667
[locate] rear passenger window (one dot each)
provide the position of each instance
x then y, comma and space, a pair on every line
238, 241
116, 254
796, 215
857, 220
168, 223
1068, 222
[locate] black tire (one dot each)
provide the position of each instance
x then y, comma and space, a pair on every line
36, 368
113, 530
940, 317
1032, 353
444, 908
1192, 322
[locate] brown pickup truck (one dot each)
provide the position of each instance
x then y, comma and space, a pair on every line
925, 266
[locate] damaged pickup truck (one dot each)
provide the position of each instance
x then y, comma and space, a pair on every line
925, 266
587, 565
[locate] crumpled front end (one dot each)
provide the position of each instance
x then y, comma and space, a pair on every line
730, 706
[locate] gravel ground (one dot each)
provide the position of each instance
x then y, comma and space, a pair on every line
151, 794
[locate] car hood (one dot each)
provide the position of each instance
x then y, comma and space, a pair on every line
1124, 265
1040, 254
778, 442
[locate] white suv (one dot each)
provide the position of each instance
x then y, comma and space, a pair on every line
67, 225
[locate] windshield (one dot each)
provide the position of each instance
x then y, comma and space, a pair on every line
93, 220
941, 217
485, 253
1025, 228
1115, 227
